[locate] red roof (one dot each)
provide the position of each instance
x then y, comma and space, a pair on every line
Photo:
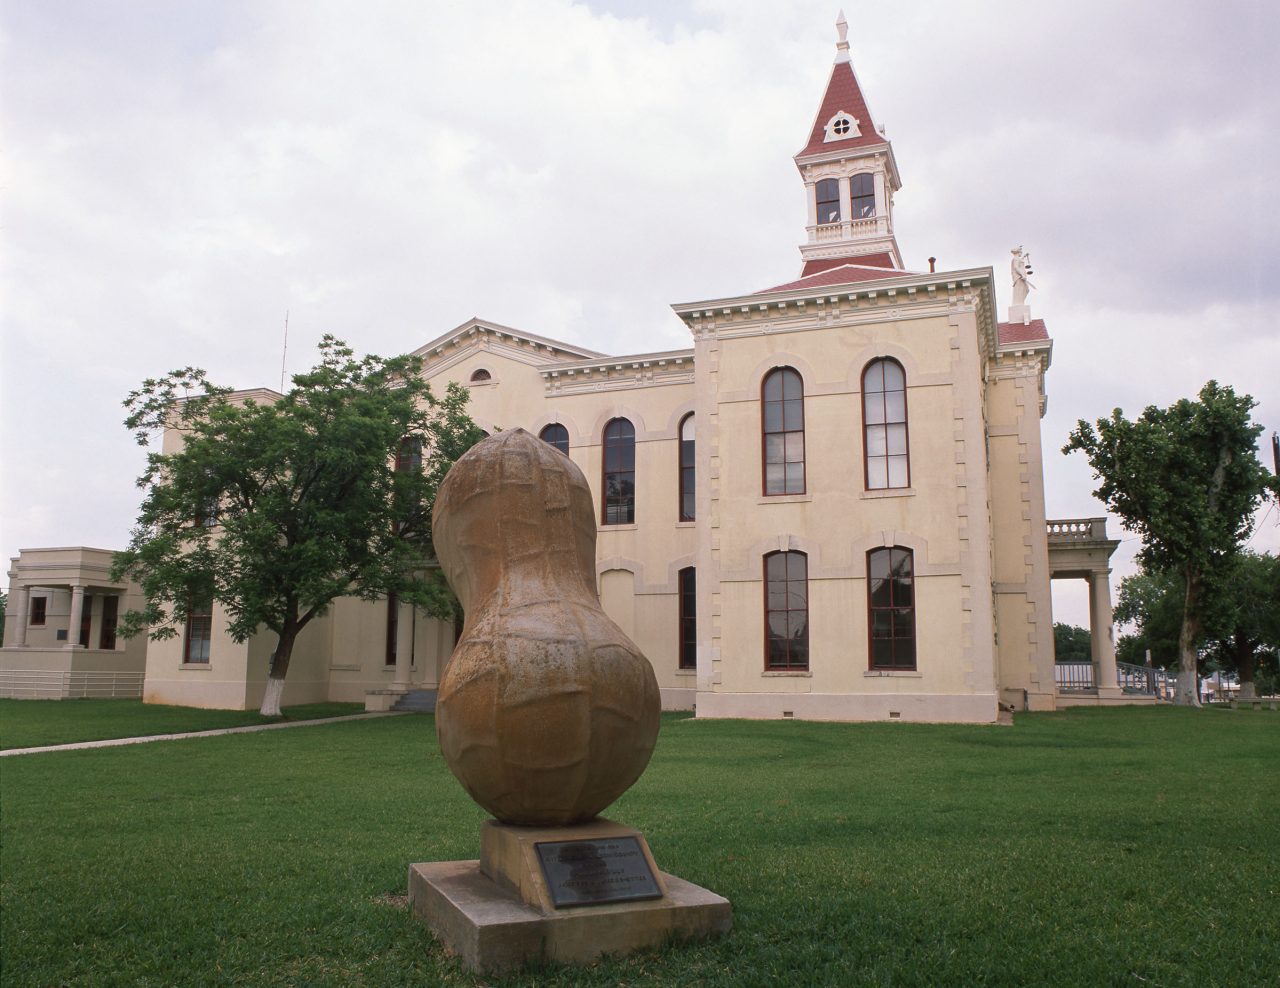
1016, 332
845, 274
881, 260
843, 93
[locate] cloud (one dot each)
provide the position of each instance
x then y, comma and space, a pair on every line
178, 176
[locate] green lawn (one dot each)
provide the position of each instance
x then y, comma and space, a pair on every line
1092, 847
34, 723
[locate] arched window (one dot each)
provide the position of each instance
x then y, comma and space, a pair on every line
891, 610
480, 374
409, 456
688, 618
786, 610
828, 193
884, 425
688, 474
619, 488
862, 196
556, 435
782, 410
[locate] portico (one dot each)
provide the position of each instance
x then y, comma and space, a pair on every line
60, 627
1080, 550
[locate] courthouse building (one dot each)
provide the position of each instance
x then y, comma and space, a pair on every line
829, 506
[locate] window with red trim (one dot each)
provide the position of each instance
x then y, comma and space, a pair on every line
409, 456
884, 425
782, 415
688, 474
891, 617
688, 618
556, 435
619, 490
786, 611
195, 646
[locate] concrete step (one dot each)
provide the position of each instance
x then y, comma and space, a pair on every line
417, 701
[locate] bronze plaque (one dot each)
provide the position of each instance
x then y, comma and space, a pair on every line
595, 871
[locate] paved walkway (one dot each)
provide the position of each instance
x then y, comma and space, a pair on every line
116, 742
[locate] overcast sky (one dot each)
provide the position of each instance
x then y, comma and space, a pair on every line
179, 175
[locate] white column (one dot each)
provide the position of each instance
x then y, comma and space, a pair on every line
404, 646
24, 612
846, 209
1101, 635
77, 612
882, 204
811, 208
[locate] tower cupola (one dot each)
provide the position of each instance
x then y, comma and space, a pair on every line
849, 175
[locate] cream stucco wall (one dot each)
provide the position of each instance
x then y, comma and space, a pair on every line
941, 516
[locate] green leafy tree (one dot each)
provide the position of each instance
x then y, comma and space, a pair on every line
1187, 479
276, 508
1071, 643
1240, 626
1152, 601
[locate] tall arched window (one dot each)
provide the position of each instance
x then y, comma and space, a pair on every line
891, 608
884, 425
782, 412
619, 487
786, 610
556, 435
688, 618
409, 456
862, 196
828, 193
688, 474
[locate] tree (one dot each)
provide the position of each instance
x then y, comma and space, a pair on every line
1071, 643
276, 508
1240, 617
1153, 602
1187, 479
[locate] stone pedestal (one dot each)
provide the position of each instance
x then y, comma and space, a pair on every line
500, 912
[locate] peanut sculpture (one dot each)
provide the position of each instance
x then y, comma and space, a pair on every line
546, 711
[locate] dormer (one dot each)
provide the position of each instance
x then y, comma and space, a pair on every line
849, 174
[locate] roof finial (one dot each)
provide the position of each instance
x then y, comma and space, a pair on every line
842, 45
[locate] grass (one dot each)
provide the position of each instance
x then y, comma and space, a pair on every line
34, 723
1090, 847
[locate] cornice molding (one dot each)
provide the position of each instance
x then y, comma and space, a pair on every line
901, 295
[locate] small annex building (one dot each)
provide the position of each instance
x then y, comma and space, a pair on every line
829, 506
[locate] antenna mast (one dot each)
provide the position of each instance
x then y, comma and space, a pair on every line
285, 352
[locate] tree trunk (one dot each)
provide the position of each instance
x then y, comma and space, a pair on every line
279, 666
1188, 694
1244, 649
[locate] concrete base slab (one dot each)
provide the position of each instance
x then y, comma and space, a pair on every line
491, 929
1117, 699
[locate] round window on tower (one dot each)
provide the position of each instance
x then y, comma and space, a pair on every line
841, 127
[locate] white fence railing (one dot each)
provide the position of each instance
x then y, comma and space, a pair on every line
1076, 530
1078, 677
31, 684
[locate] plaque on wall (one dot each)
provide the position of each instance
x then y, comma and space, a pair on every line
596, 871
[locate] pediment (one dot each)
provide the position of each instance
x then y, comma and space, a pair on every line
479, 335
